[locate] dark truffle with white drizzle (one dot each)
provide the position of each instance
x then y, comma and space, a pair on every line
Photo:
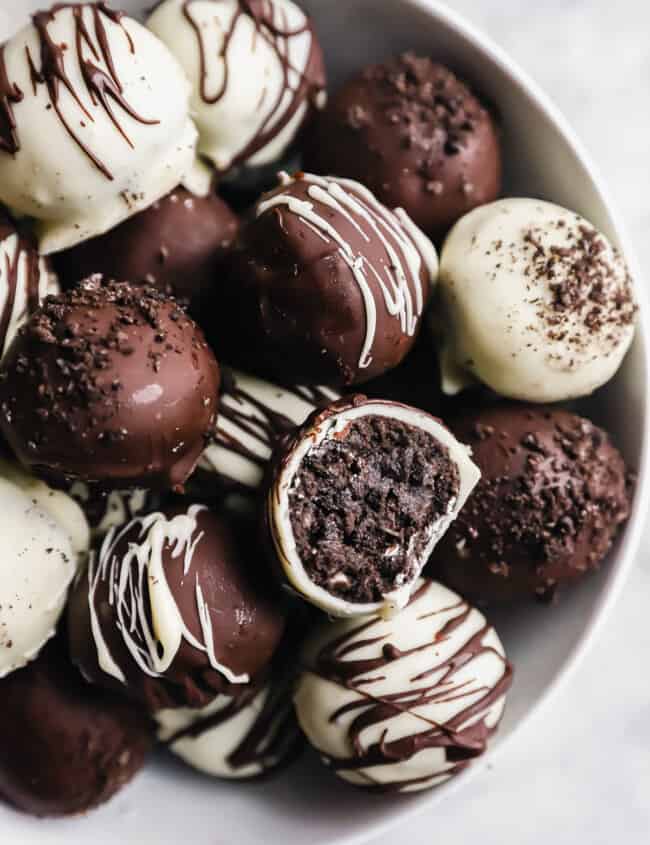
256, 69
109, 383
174, 610
94, 122
358, 497
404, 704
326, 284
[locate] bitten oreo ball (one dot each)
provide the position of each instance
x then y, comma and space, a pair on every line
109, 383
176, 246
415, 134
404, 704
553, 494
327, 285
535, 303
173, 609
358, 498
65, 747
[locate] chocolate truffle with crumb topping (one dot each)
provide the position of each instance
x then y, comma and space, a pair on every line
415, 134
65, 747
109, 383
358, 498
175, 245
553, 494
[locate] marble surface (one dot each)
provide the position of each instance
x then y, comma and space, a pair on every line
579, 773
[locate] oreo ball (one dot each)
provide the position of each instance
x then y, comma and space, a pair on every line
174, 609
65, 747
175, 245
553, 493
326, 285
112, 384
416, 135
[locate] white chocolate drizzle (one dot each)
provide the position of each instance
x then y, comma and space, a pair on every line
397, 276
146, 612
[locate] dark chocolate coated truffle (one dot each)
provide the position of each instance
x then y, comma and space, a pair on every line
174, 609
109, 383
416, 135
175, 245
553, 493
326, 285
357, 499
65, 746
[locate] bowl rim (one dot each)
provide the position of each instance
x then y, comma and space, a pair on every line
626, 556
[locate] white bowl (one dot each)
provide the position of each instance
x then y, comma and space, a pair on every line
169, 804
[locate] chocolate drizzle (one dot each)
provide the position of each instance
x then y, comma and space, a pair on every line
271, 26
249, 428
26, 252
10, 95
102, 86
271, 741
463, 735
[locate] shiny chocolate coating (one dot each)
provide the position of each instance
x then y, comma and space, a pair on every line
65, 746
326, 285
217, 621
553, 494
415, 134
109, 383
175, 245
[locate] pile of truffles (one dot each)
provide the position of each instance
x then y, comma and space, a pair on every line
192, 481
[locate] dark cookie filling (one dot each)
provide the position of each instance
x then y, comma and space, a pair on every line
364, 503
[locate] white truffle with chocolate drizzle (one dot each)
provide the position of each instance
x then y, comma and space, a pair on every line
256, 71
43, 532
25, 279
358, 498
253, 415
94, 122
236, 736
170, 612
326, 284
405, 704
536, 303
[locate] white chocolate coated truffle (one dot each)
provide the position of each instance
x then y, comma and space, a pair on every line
253, 415
332, 426
25, 279
255, 70
536, 303
234, 737
38, 565
61, 507
404, 704
101, 125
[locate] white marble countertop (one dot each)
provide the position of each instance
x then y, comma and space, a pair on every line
579, 773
